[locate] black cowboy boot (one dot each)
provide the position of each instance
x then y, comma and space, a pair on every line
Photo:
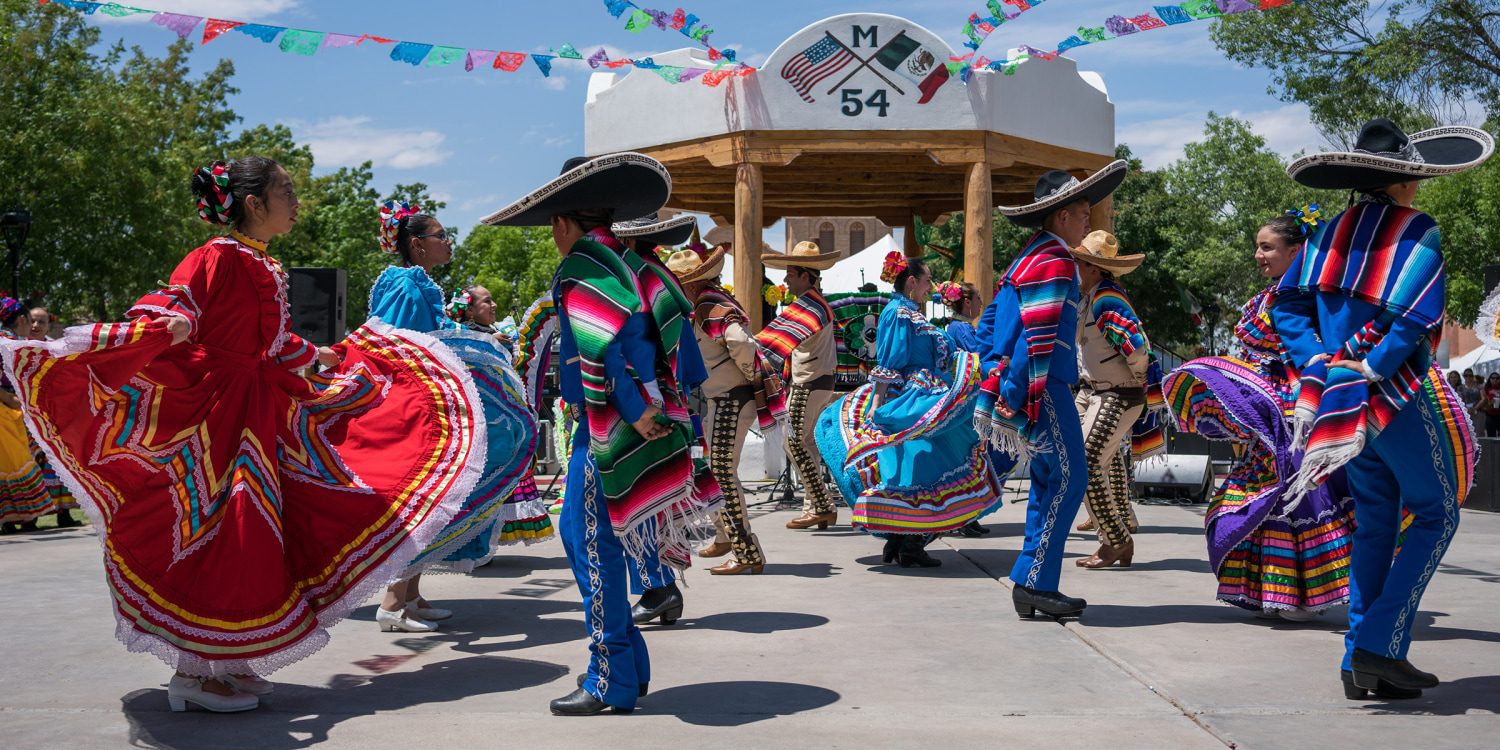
664, 602
1029, 600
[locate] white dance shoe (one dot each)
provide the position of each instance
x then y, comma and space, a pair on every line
391, 622
250, 684
184, 690
1297, 615
427, 613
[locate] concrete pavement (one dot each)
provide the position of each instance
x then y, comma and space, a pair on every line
827, 648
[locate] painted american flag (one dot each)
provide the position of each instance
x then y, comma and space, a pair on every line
815, 63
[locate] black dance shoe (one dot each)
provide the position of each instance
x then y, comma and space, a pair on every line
971, 530
912, 554
1029, 600
664, 602
584, 677
892, 548
581, 703
1384, 690
1371, 669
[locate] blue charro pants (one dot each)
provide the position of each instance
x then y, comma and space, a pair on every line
649, 572
619, 663
1058, 481
1407, 465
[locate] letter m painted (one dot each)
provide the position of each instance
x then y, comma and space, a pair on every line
871, 35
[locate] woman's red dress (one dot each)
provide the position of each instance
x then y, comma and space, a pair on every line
244, 509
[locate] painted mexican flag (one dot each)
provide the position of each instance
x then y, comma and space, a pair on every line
907, 58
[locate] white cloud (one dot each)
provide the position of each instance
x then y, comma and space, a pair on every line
483, 201
229, 10
1287, 130
348, 141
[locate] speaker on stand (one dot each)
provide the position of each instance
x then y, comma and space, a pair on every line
316, 298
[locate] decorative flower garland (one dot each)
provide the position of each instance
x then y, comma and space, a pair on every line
895, 263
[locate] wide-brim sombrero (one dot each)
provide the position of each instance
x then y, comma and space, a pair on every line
648, 230
1428, 154
1058, 188
1101, 249
805, 254
631, 185
708, 267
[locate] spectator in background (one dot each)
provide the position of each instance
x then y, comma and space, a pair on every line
1456, 380
1472, 390
1490, 405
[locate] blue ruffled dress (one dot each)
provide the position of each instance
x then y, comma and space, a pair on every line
408, 298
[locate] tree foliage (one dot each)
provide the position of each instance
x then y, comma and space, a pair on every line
1415, 61
515, 263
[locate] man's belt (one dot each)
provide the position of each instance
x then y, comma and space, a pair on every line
1132, 395
822, 383
743, 394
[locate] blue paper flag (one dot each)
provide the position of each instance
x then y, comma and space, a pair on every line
1070, 43
1173, 14
262, 32
545, 63
410, 52
615, 7
87, 8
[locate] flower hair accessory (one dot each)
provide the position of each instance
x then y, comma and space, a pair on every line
895, 263
950, 292
9, 307
391, 215
215, 210
458, 304
1309, 218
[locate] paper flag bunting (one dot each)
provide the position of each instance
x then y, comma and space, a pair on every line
510, 62
87, 8
181, 24
444, 56
544, 62
669, 73
639, 21
410, 52
120, 11
1166, 15
264, 33
598, 58
479, 58
214, 27
616, 7
341, 40
299, 42
568, 53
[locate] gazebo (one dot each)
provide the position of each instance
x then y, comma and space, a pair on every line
856, 115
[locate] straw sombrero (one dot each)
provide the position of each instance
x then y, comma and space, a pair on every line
689, 266
1057, 188
805, 253
648, 230
1101, 249
628, 184
1383, 155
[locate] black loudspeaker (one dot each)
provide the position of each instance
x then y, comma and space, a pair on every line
1491, 278
1183, 477
316, 297
1485, 494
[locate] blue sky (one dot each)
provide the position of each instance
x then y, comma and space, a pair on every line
482, 139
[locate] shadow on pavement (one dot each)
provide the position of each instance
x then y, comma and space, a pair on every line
732, 704
1454, 698
748, 622
477, 619
1188, 564
1107, 615
954, 565
802, 570
996, 563
519, 566
1427, 629
297, 716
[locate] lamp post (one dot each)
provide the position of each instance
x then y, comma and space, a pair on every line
15, 224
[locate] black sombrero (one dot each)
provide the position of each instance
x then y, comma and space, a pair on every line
650, 231
1383, 155
628, 184
1057, 188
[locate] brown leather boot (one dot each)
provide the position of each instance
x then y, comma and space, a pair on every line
1107, 556
734, 567
809, 520
1087, 525
717, 549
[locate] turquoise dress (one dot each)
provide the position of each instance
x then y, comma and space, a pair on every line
914, 465
408, 298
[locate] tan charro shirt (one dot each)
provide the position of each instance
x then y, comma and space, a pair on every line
818, 355
1100, 365
730, 363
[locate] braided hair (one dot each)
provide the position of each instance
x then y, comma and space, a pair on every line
222, 189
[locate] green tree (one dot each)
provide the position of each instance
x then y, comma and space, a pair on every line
515, 263
1414, 61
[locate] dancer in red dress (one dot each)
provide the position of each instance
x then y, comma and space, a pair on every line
242, 507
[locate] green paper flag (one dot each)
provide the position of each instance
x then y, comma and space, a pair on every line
638, 22
669, 73
567, 52
302, 42
444, 56
120, 11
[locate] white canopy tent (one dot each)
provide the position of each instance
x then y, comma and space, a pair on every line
1483, 360
863, 267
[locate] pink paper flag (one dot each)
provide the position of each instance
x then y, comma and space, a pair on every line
341, 40
479, 58
181, 24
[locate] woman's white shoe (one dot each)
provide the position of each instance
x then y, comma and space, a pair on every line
249, 684
414, 609
184, 690
1297, 615
391, 622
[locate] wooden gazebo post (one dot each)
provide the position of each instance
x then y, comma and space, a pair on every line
748, 193
978, 232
